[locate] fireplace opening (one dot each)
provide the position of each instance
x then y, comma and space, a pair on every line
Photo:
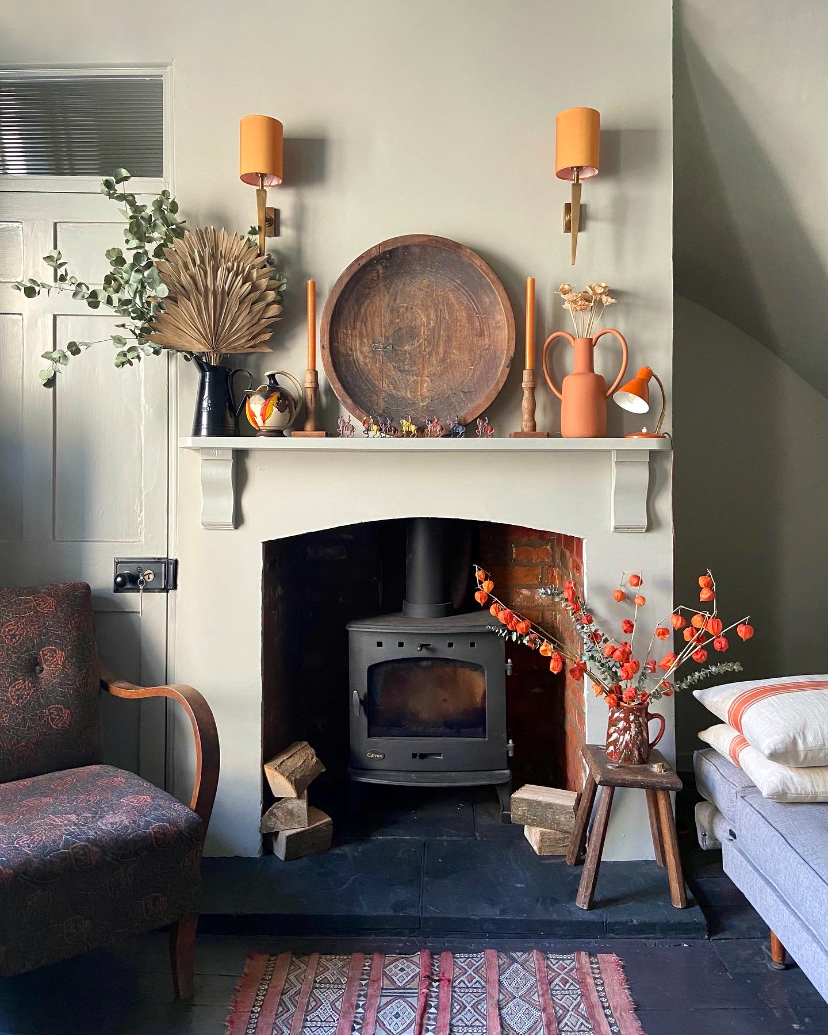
375, 651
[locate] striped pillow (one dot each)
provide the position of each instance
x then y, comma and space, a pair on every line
774, 781
786, 719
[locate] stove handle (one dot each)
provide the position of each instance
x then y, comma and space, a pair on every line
356, 703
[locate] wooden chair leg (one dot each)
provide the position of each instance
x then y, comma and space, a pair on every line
777, 953
672, 859
586, 889
655, 826
584, 811
182, 955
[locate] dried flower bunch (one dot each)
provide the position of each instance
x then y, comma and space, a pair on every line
616, 673
221, 297
586, 307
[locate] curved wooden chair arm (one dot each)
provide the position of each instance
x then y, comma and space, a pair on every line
204, 732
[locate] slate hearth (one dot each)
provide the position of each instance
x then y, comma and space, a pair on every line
436, 862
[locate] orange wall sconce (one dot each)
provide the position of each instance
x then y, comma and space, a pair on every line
634, 396
577, 152
260, 165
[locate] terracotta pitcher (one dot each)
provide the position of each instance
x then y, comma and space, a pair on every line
628, 734
584, 396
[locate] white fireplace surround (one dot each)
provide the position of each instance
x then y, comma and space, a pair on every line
257, 490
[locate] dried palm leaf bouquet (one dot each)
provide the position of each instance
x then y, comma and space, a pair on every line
221, 298
204, 293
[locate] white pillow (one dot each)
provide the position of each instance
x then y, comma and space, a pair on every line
774, 781
786, 719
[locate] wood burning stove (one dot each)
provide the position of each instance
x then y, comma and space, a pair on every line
428, 687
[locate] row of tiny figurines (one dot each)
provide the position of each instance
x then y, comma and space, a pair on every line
384, 427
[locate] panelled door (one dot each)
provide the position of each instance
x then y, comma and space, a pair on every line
83, 466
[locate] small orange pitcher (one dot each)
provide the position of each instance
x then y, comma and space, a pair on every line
584, 396
628, 733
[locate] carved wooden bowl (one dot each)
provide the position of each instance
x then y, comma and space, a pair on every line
418, 327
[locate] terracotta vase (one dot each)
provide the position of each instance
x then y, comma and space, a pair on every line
628, 734
584, 393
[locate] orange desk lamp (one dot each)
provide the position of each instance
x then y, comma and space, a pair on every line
577, 150
635, 397
260, 165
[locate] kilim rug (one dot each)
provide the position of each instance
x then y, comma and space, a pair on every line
463, 993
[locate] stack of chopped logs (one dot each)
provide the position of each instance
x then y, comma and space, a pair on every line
548, 815
296, 829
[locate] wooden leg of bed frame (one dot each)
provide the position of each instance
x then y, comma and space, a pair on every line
777, 953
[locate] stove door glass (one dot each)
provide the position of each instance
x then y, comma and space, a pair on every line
426, 697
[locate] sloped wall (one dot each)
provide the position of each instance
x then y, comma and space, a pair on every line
751, 498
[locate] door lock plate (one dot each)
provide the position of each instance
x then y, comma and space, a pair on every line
145, 575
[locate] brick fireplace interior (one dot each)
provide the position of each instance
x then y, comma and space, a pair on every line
324, 580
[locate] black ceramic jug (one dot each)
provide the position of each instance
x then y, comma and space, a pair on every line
215, 411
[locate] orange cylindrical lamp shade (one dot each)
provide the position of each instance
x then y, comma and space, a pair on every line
260, 151
577, 143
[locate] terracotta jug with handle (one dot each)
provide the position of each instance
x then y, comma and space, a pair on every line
628, 733
584, 393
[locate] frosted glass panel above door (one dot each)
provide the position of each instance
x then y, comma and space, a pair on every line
81, 125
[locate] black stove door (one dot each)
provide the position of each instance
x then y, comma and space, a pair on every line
440, 709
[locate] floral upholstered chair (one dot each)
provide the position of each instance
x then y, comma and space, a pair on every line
88, 853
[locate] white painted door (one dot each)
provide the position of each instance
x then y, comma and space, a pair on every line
84, 466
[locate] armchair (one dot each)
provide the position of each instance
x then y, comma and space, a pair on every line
88, 853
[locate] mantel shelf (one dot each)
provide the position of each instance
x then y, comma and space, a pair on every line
365, 444
630, 465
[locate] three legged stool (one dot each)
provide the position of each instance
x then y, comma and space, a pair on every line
656, 779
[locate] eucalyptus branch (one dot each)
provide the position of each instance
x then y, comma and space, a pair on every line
132, 288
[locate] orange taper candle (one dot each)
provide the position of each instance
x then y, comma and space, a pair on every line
530, 323
311, 325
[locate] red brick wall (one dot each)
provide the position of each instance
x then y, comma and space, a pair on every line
546, 712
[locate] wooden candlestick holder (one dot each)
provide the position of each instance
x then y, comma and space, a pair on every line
527, 408
311, 392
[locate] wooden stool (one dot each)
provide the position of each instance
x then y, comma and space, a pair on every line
609, 775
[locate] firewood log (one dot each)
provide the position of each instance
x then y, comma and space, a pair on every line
310, 840
545, 807
286, 814
292, 770
547, 842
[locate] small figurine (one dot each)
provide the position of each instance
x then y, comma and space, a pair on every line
434, 429
370, 426
345, 428
386, 428
408, 429
484, 428
456, 430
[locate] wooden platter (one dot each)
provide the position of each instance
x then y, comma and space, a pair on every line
420, 327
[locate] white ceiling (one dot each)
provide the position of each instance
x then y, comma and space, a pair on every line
751, 170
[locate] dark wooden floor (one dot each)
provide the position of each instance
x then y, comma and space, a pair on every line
681, 986
701, 987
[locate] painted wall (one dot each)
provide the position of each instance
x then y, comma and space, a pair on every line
413, 117
751, 181
751, 495
400, 117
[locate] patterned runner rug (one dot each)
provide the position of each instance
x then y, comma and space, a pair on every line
474, 993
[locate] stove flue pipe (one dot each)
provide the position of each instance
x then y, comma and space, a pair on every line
427, 582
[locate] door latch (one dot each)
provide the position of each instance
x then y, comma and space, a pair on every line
145, 575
